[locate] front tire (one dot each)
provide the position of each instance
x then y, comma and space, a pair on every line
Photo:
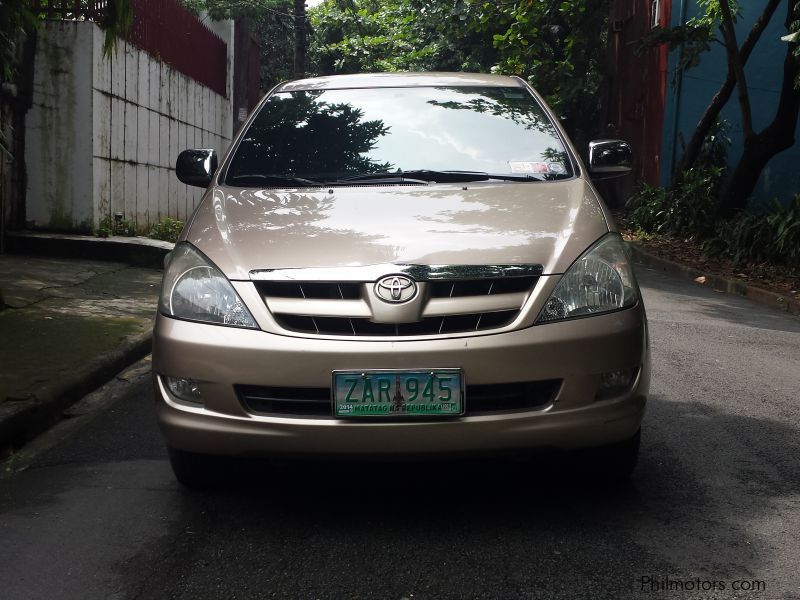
616, 462
197, 471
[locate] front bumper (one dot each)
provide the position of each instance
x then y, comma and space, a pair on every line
576, 352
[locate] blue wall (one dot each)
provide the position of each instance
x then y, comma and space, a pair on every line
689, 94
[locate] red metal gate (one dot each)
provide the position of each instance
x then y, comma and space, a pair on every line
638, 79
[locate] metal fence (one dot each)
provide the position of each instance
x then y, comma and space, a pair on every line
163, 28
169, 31
70, 10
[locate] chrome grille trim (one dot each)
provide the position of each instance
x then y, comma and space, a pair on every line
358, 309
417, 272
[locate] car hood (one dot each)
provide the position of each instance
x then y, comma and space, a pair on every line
546, 223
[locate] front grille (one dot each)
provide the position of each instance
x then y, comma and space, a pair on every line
480, 399
481, 287
428, 326
511, 397
308, 402
312, 290
340, 308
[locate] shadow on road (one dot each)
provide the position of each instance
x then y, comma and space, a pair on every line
422, 486
704, 302
706, 479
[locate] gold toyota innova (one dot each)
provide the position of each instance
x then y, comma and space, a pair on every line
400, 264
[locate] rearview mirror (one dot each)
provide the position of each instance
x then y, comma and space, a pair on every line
196, 167
608, 158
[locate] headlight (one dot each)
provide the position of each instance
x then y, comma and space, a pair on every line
599, 281
195, 290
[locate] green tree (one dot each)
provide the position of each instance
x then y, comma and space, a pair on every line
353, 36
717, 26
711, 114
557, 45
760, 146
288, 133
16, 20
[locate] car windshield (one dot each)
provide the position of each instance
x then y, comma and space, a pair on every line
395, 134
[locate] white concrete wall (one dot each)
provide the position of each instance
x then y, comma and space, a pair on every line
129, 116
58, 143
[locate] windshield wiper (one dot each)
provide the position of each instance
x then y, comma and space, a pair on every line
378, 178
418, 176
483, 176
260, 180
427, 176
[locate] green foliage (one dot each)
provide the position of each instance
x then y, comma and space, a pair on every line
558, 46
276, 140
794, 38
714, 152
353, 36
16, 20
109, 226
116, 23
276, 32
773, 236
711, 17
235, 9
694, 38
167, 229
689, 208
685, 210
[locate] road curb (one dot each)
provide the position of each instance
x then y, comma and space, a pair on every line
137, 251
21, 420
721, 284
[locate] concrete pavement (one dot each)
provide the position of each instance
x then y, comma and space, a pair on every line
67, 326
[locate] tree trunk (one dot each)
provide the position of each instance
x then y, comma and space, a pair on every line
720, 99
735, 63
299, 38
763, 146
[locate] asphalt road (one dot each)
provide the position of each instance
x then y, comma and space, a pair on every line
715, 501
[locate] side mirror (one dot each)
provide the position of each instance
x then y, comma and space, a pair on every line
608, 158
196, 167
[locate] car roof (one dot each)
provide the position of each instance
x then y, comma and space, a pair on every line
374, 80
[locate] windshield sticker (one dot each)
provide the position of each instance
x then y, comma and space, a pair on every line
529, 167
558, 168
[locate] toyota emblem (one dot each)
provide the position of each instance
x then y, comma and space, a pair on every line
396, 288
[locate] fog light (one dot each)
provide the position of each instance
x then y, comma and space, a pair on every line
614, 383
187, 390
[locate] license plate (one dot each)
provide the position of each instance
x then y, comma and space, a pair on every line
423, 393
